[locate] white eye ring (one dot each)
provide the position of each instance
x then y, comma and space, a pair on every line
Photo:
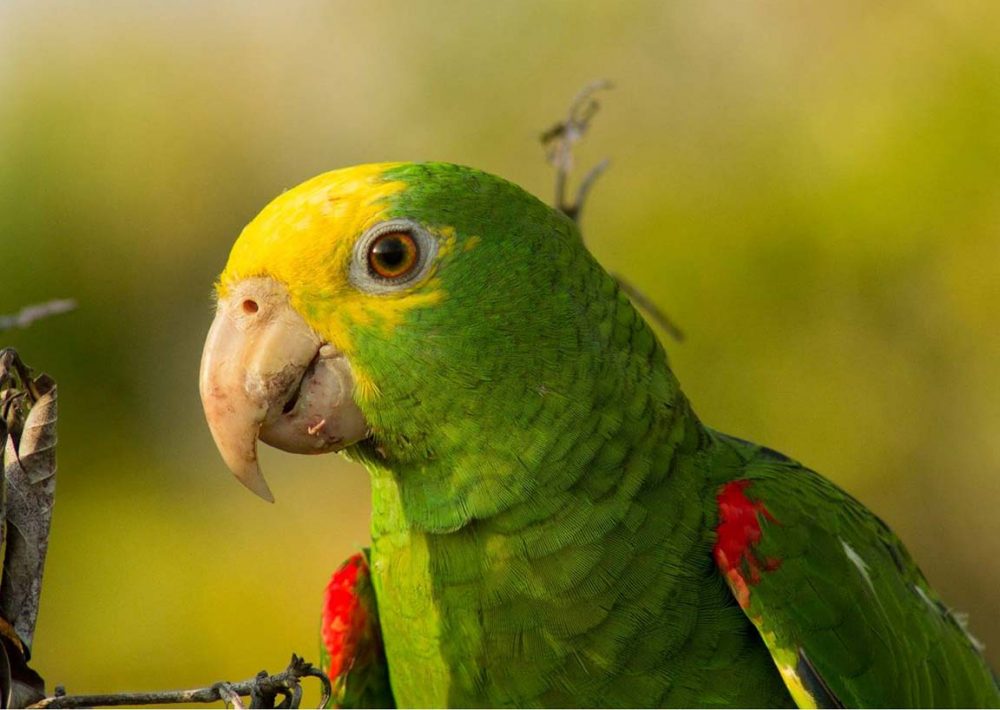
366, 279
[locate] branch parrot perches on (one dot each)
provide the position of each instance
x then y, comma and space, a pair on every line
551, 523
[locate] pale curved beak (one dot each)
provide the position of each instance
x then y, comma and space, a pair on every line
265, 374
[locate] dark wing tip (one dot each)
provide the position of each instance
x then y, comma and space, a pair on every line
814, 683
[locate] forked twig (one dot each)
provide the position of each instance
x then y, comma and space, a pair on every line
558, 142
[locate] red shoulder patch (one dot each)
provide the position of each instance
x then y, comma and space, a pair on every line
737, 533
345, 621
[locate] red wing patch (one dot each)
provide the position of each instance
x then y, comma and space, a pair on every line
738, 533
345, 622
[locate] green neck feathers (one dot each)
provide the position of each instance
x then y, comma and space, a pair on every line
497, 558
536, 476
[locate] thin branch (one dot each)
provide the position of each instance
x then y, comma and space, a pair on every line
651, 308
559, 141
588, 181
229, 695
29, 314
262, 690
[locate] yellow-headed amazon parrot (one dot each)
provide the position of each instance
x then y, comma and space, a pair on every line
552, 525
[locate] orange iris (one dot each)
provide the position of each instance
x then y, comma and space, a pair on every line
392, 255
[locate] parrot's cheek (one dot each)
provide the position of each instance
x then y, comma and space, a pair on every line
266, 374
320, 415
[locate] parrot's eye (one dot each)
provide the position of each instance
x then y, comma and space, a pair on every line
391, 256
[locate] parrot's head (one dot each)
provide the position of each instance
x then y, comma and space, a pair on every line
411, 314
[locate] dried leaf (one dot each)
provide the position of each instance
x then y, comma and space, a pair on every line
30, 492
37, 449
29, 412
28, 416
20, 686
6, 681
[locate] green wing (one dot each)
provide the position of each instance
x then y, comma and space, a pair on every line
846, 614
351, 653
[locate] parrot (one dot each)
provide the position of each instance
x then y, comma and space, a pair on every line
551, 522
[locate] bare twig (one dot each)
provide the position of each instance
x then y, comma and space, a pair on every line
584, 189
640, 299
559, 141
29, 314
229, 695
261, 689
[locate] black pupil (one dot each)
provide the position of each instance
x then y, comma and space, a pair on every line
390, 252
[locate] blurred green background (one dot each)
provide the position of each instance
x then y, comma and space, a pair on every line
811, 190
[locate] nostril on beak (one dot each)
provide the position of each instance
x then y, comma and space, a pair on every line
250, 306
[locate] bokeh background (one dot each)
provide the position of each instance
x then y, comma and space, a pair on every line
811, 190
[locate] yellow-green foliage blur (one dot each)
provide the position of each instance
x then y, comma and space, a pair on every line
811, 190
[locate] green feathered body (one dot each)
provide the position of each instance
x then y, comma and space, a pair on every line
553, 526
